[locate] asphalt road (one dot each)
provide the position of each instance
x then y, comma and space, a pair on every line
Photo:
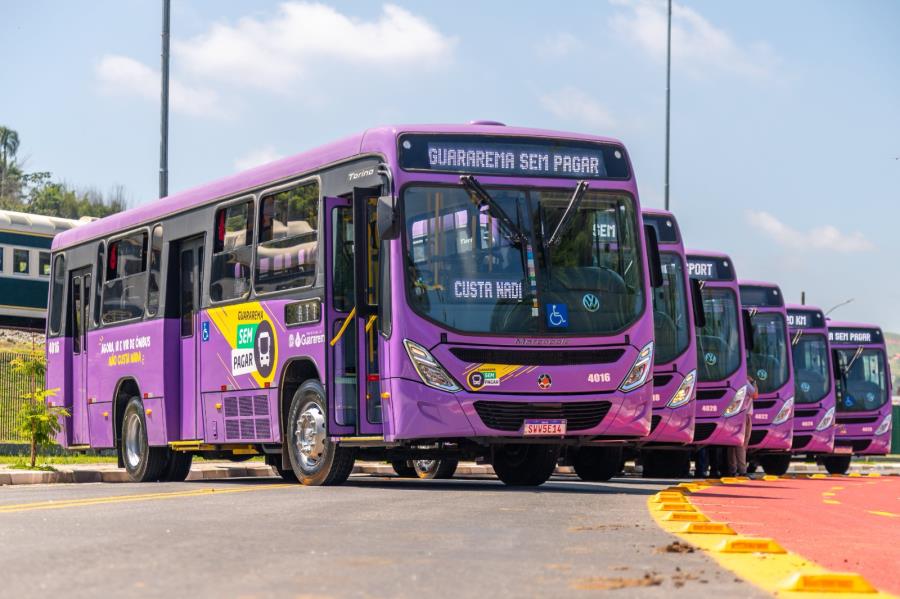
372, 537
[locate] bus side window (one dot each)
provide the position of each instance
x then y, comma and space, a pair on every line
56, 293
156, 243
232, 252
125, 280
288, 248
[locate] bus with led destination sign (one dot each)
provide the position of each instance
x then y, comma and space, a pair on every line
722, 396
769, 366
677, 310
863, 391
814, 389
413, 294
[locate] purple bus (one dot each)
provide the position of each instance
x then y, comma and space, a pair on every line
863, 398
769, 366
722, 389
814, 389
677, 310
412, 292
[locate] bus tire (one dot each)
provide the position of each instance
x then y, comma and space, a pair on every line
439, 469
837, 464
287, 474
315, 459
403, 468
177, 467
598, 464
775, 463
142, 462
524, 465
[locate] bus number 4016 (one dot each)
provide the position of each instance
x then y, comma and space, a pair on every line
599, 377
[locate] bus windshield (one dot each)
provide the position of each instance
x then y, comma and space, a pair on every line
768, 362
719, 341
810, 357
862, 385
670, 320
471, 273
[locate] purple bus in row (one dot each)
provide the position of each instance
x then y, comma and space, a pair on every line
863, 393
772, 373
411, 292
814, 389
722, 390
677, 311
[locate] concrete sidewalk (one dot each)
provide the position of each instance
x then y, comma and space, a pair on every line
204, 470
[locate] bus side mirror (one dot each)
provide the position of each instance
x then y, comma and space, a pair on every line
386, 217
839, 362
748, 330
697, 301
654, 262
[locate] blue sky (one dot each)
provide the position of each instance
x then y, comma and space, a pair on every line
785, 130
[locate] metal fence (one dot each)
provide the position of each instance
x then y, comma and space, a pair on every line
12, 388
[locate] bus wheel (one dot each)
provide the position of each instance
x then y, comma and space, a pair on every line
315, 458
142, 462
775, 463
444, 468
403, 468
837, 464
524, 465
597, 464
177, 468
274, 460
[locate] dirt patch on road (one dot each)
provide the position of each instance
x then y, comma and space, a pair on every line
676, 547
602, 583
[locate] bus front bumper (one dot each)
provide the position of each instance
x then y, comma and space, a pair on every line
771, 437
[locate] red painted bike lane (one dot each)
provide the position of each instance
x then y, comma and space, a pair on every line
844, 524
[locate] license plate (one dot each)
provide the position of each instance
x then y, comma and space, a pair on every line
843, 450
544, 428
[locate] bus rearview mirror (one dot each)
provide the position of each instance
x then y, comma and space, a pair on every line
654, 262
697, 301
386, 218
748, 330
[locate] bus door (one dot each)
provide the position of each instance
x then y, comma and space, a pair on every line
79, 313
189, 276
355, 388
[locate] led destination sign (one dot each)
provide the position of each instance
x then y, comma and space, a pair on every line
532, 157
854, 336
805, 319
710, 269
760, 297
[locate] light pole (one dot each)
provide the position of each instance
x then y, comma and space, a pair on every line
164, 108
843, 303
668, 94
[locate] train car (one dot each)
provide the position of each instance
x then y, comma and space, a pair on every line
25, 266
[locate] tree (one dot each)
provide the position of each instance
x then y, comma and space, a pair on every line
36, 419
9, 145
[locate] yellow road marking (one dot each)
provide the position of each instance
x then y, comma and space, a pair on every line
828, 494
54, 505
831, 502
776, 573
887, 514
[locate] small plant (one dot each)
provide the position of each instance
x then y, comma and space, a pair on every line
36, 419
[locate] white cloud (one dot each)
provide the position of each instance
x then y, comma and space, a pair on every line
257, 157
120, 75
570, 103
698, 46
826, 237
558, 45
276, 51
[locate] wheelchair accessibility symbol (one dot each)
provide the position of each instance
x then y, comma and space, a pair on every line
557, 316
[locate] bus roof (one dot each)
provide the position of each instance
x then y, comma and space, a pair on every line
746, 283
375, 140
839, 324
803, 308
707, 254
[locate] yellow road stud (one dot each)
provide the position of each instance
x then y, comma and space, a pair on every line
855, 474
707, 528
675, 507
685, 517
666, 496
875, 474
770, 477
818, 475
749, 545
834, 582
732, 480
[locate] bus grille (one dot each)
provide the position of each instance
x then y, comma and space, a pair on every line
661, 380
704, 430
856, 444
856, 419
801, 441
710, 394
537, 357
763, 404
756, 437
805, 413
247, 418
510, 415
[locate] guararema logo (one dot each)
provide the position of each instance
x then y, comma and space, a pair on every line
544, 381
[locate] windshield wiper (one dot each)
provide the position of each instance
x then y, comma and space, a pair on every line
568, 214
859, 351
480, 197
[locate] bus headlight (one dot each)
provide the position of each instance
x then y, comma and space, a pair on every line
685, 391
430, 370
827, 420
786, 412
884, 426
737, 403
637, 376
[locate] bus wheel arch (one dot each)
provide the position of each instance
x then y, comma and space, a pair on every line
126, 388
295, 373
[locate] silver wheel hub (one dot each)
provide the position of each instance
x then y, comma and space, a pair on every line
309, 437
425, 466
134, 441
